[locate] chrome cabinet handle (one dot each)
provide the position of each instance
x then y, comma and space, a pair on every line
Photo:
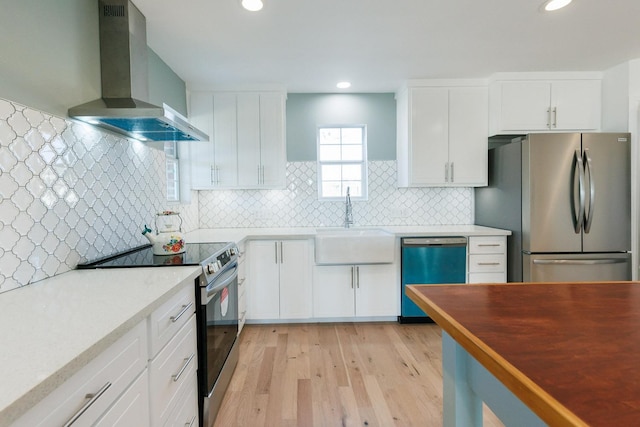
212, 175
592, 191
446, 172
281, 254
352, 276
451, 169
488, 263
94, 397
555, 117
488, 244
276, 248
358, 277
549, 117
175, 318
188, 360
190, 423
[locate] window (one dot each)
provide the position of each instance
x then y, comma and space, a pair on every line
173, 171
342, 161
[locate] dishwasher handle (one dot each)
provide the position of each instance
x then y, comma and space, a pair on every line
435, 241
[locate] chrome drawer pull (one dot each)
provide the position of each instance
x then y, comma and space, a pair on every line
188, 360
174, 319
190, 423
488, 244
93, 397
488, 263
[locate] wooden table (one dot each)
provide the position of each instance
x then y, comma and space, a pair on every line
570, 352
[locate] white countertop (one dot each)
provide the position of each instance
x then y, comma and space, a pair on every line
239, 234
52, 328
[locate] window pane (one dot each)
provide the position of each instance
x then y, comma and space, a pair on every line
352, 136
329, 153
352, 152
331, 173
352, 172
330, 136
331, 189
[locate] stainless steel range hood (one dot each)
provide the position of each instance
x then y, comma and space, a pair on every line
123, 107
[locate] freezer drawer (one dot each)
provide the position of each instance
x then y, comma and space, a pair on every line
576, 267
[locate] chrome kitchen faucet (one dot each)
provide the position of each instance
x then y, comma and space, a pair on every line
348, 211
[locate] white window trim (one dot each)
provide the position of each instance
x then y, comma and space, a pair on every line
364, 163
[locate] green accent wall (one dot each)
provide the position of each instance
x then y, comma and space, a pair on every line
305, 112
165, 85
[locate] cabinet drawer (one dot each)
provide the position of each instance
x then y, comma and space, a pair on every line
171, 371
167, 319
105, 377
487, 277
186, 411
132, 408
489, 263
487, 244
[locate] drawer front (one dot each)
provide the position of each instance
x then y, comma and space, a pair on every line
487, 277
186, 411
104, 378
132, 408
489, 263
171, 371
167, 319
487, 244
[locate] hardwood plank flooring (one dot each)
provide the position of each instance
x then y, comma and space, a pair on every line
343, 374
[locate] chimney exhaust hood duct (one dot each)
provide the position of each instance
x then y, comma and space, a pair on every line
123, 107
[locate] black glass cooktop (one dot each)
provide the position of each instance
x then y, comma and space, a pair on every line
143, 256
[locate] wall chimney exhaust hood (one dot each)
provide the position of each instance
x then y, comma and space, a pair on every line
123, 107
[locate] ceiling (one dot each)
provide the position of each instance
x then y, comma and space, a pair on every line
308, 46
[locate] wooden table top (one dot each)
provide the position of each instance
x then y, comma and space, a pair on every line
569, 351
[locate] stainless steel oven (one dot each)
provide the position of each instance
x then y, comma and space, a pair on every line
217, 318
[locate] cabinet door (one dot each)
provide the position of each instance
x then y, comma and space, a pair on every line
525, 105
272, 140
576, 105
263, 288
225, 173
429, 135
248, 123
333, 291
131, 408
201, 155
295, 279
377, 290
468, 131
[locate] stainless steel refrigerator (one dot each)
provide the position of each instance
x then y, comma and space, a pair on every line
566, 197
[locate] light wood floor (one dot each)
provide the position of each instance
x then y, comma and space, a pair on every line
346, 374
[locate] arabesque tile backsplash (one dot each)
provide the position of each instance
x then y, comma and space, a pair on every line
72, 193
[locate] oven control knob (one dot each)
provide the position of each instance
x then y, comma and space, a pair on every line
212, 268
234, 251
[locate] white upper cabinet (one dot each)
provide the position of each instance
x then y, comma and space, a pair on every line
248, 148
442, 136
519, 106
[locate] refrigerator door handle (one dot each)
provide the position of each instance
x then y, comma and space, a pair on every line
581, 191
580, 261
592, 191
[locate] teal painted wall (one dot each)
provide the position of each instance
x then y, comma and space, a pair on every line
305, 112
50, 57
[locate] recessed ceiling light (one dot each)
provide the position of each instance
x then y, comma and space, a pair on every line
343, 85
551, 5
252, 5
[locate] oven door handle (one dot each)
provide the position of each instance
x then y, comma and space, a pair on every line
221, 282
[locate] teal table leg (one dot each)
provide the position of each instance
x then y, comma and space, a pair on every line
467, 384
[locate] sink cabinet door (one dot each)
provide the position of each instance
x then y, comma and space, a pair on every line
376, 290
333, 291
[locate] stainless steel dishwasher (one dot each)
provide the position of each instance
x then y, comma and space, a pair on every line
430, 260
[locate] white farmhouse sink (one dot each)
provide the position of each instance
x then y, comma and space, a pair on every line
354, 246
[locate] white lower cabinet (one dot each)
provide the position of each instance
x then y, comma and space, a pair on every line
242, 285
355, 290
146, 378
87, 395
279, 279
487, 259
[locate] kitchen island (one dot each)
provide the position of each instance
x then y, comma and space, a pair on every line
562, 354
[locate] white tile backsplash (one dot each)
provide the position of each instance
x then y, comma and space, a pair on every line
298, 204
72, 193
